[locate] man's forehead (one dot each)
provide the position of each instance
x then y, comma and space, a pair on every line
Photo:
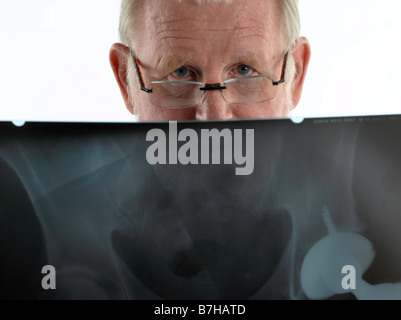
179, 33
175, 15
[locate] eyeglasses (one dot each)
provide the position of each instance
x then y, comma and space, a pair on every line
185, 94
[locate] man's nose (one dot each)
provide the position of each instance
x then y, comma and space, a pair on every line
213, 106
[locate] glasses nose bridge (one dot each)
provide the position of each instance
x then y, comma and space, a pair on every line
212, 87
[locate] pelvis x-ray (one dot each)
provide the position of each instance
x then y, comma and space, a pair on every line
263, 209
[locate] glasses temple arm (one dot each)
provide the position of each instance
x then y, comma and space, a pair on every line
139, 74
283, 69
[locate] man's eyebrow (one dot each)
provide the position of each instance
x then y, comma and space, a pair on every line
169, 64
250, 59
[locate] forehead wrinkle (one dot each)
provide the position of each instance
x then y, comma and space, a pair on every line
263, 36
161, 28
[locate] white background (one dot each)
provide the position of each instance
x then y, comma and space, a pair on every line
54, 59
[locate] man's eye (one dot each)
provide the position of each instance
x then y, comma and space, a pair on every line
244, 70
181, 72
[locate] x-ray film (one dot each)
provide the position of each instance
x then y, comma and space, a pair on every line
251, 209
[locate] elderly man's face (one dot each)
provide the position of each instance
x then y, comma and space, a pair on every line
209, 43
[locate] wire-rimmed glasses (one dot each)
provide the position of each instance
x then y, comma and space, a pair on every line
185, 94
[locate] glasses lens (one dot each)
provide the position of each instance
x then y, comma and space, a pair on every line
174, 95
249, 90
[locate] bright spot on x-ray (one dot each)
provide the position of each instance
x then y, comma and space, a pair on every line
297, 120
18, 123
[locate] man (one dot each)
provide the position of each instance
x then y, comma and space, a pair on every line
239, 59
